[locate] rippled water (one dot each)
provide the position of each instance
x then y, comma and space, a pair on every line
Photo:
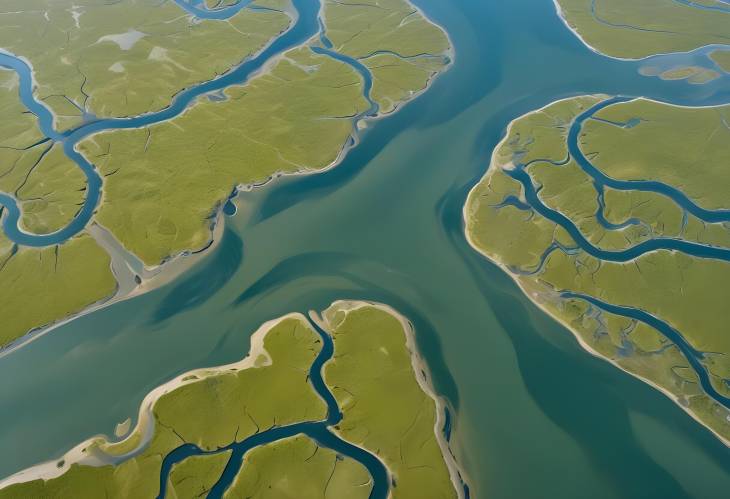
534, 416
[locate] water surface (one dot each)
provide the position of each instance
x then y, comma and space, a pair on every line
533, 415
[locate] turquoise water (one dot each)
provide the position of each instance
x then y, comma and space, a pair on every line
533, 415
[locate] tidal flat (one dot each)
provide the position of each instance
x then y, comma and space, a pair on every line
627, 29
235, 430
160, 205
565, 246
494, 355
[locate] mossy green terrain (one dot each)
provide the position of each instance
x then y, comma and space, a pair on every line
126, 58
684, 147
396, 79
163, 184
48, 186
633, 30
295, 118
693, 74
297, 468
677, 146
400, 47
211, 408
374, 380
195, 476
43, 285
361, 29
385, 410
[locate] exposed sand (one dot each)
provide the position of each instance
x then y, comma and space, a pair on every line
420, 370
535, 298
98, 450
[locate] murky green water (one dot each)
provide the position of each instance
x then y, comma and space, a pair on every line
535, 415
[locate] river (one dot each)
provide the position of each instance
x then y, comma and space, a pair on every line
533, 415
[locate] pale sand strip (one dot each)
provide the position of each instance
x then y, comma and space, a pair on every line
91, 451
420, 370
535, 297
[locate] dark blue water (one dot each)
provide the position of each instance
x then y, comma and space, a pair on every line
319, 431
532, 415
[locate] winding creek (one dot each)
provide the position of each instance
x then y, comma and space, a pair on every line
319, 431
304, 27
386, 225
693, 355
600, 180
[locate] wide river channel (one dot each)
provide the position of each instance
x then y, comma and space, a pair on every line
534, 416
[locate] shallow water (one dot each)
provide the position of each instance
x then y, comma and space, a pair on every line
533, 415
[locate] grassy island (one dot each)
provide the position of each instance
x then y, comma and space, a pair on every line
400, 47
163, 184
42, 285
203, 416
385, 408
633, 30
294, 118
581, 277
210, 408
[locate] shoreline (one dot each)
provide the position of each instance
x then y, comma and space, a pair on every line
352, 141
564, 20
98, 450
360, 125
143, 427
422, 374
157, 277
533, 296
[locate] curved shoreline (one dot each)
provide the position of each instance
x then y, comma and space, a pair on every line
422, 374
250, 67
302, 30
534, 297
143, 426
360, 125
156, 277
564, 20
99, 450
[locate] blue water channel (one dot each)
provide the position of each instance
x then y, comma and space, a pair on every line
319, 431
601, 180
693, 355
659, 243
305, 26
199, 9
386, 225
